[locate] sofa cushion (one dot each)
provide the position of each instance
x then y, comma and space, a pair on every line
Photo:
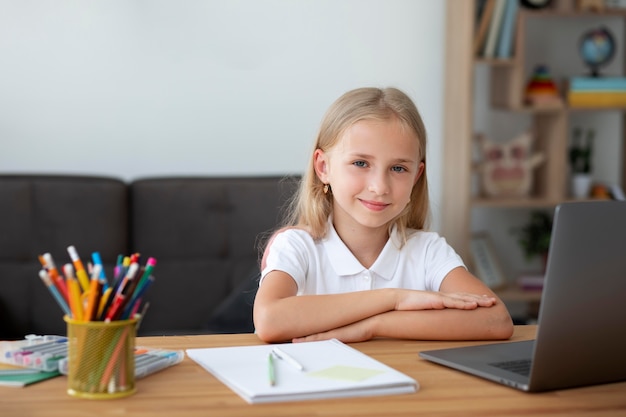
204, 232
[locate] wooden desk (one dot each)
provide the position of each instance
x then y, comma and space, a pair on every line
188, 390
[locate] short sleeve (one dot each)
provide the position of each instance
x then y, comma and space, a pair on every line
440, 259
289, 253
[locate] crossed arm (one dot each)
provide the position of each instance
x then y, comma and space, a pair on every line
463, 309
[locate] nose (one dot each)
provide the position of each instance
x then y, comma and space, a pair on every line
379, 183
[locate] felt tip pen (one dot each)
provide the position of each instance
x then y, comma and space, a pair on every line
43, 361
40, 346
97, 260
18, 371
136, 297
73, 291
161, 361
280, 354
81, 274
43, 274
118, 265
115, 309
104, 302
48, 263
150, 264
95, 292
57, 348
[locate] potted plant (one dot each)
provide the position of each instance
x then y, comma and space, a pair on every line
580, 162
534, 236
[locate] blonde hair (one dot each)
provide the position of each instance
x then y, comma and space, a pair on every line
310, 207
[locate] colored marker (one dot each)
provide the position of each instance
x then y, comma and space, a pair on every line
104, 302
95, 292
81, 274
150, 264
73, 291
97, 260
48, 263
132, 306
45, 277
163, 361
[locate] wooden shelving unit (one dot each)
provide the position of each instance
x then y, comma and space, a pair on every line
507, 82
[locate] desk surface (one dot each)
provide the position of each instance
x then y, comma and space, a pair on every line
188, 390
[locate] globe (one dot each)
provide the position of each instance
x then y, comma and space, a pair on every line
597, 48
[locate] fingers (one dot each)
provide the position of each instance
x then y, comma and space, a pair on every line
467, 301
431, 300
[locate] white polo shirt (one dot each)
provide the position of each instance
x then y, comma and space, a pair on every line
327, 266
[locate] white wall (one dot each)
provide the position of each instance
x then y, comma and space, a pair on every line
134, 88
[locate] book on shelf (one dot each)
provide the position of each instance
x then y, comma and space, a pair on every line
494, 29
480, 6
597, 84
615, 4
531, 281
616, 192
507, 38
324, 369
596, 99
486, 12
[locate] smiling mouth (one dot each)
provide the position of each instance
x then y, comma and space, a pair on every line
374, 205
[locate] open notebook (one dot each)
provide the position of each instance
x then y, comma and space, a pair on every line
329, 369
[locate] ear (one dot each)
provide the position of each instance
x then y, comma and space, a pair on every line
420, 171
320, 163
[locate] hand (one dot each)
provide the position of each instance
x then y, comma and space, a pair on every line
433, 300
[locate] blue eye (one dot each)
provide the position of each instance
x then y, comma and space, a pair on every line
360, 164
398, 169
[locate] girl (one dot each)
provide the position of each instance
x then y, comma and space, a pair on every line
354, 261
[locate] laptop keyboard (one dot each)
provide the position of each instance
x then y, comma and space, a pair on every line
521, 366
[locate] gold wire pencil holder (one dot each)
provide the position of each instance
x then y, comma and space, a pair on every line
101, 358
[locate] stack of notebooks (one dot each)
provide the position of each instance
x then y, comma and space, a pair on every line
599, 92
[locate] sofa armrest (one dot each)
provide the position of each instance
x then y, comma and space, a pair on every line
47, 213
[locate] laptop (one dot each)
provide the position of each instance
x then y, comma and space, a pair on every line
581, 334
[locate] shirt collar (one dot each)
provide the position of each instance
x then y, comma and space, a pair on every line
345, 263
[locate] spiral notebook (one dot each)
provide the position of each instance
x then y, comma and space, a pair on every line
301, 371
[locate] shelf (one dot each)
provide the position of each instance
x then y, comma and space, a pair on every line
591, 109
552, 108
495, 62
516, 294
566, 14
514, 202
505, 93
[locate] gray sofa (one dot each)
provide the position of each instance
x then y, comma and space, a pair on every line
203, 231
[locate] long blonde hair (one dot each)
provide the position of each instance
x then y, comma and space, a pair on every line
310, 207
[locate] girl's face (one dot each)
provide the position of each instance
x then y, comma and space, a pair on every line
371, 171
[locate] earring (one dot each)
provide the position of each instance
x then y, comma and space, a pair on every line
326, 188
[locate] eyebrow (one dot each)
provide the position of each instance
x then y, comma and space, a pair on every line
368, 156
